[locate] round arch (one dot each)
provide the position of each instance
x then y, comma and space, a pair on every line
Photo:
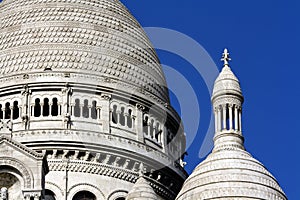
85, 187
117, 195
55, 189
14, 166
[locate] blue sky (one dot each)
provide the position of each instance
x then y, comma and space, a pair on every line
263, 39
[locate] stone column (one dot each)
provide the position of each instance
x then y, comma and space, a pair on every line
236, 126
139, 122
240, 119
219, 119
224, 117
230, 116
105, 102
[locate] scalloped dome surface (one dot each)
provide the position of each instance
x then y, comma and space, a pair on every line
231, 173
226, 83
98, 37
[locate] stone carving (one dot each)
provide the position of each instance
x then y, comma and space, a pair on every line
3, 193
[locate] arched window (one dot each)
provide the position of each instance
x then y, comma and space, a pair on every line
114, 115
37, 108
16, 111
120, 198
84, 195
129, 119
46, 107
49, 195
122, 116
85, 109
54, 107
94, 110
145, 125
77, 108
151, 128
7, 110
1, 112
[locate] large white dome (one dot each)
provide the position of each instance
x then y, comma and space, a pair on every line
98, 37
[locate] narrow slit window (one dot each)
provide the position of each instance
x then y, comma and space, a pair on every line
54, 107
77, 108
1, 112
37, 108
129, 119
114, 115
46, 107
16, 111
122, 116
145, 125
7, 111
94, 110
85, 109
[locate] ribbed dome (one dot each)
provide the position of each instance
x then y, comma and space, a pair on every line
98, 37
141, 191
231, 174
227, 83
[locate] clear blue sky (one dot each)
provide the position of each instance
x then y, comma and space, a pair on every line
263, 39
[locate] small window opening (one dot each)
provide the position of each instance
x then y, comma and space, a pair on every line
7, 111
54, 107
46, 107
16, 111
37, 108
129, 119
122, 116
114, 115
94, 110
85, 109
77, 108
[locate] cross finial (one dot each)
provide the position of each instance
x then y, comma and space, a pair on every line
226, 57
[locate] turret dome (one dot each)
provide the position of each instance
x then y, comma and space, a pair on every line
229, 172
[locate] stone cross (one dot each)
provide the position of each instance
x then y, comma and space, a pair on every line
226, 57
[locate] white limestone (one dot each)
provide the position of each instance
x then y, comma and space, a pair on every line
229, 172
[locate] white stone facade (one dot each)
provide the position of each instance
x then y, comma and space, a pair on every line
82, 87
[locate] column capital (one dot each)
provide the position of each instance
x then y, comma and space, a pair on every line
105, 96
140, 107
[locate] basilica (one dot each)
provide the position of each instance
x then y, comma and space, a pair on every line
85, 113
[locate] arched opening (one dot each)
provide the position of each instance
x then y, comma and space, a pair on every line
54, 107
1, 112
151, 128
94, 110
7, 110
122, 116
12, 185
84, 195
114, 115
16, 111
77, 108
120, 198
129, 119
145, 125
85, 109
46, 107
37, 108
49, 195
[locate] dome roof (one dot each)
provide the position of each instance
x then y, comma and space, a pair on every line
96, 37
231, 173
141, 191
226, 83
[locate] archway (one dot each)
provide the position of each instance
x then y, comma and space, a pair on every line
49, 195
13, 185
84, 195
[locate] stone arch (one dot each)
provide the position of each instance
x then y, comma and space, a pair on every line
11, 163
117, 194
55, 189
85, 187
